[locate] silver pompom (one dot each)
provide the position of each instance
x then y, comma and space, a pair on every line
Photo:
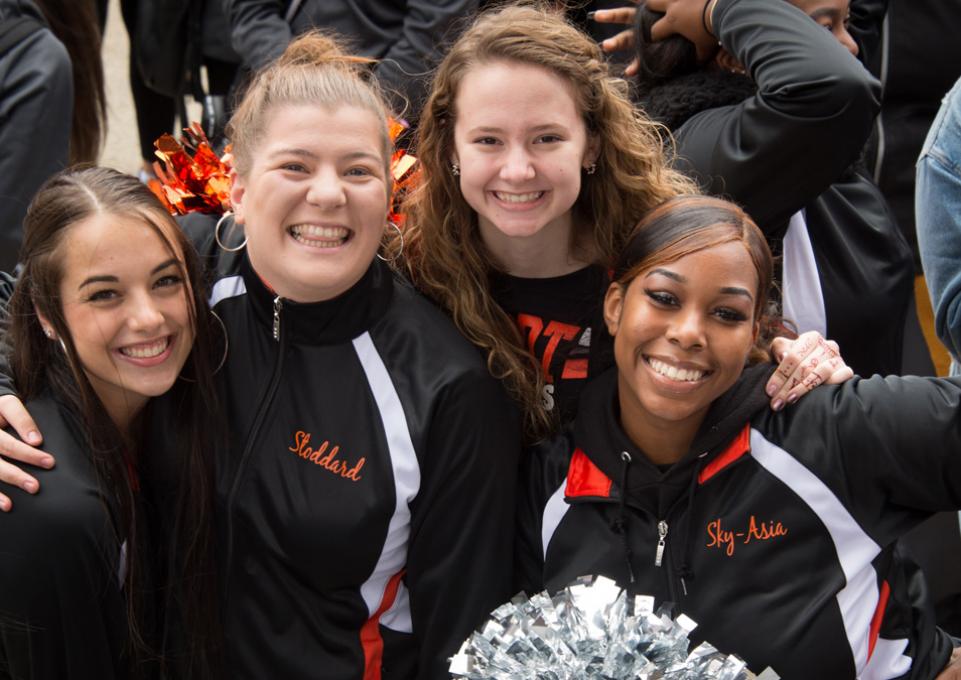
590, 629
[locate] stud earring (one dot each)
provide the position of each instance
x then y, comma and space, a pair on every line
455, 169
591, 169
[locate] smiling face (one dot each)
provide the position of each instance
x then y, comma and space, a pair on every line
682, 334
833, 15
314, 203
521, 145
125, 306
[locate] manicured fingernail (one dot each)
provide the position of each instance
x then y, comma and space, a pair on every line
4, 504
30, 486
591, 15
33, 437
778, 405
47, 462
771, 390
791, 398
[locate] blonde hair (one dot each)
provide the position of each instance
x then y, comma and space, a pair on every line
313, 70
444, 253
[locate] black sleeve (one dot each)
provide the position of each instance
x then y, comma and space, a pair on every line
815, 103
543, 470
36, 104
891, 448
61, 609
459, 561
259, 32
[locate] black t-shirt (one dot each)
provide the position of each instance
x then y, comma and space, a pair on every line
558, 318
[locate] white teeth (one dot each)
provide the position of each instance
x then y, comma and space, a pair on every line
675, 373
518, 198
317, 236
146, 351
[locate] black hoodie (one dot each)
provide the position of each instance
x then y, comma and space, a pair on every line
776, 532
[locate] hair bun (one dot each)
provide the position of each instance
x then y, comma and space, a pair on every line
317, 48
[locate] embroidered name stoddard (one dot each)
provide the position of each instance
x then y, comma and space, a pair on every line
726, 539
325, 456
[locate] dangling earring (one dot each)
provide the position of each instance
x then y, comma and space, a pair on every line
400, 251
591, 169
223, 359
455, 168
48, 332
217, 235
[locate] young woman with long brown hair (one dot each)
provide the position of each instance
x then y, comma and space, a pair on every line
535, 164
112, 564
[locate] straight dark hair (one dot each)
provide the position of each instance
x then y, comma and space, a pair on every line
40, 365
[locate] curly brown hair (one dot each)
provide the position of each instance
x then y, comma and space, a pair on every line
444, 254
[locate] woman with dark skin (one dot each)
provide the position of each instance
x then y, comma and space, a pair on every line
775, 531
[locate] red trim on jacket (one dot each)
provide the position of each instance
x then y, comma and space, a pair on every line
370, 638
878, 616
586, 479
737, 448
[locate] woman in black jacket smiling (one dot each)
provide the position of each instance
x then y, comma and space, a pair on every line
775, 531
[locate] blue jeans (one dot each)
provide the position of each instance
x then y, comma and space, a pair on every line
937, 208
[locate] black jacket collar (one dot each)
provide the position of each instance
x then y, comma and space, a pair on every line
600, 440
340, 319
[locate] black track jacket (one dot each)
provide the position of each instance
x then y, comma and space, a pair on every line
777, 529
366, 500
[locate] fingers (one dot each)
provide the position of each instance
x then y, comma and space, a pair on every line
632, 68
953, 670
661, 29
620, 15
11, 474
622, 41
13, 413
805, 363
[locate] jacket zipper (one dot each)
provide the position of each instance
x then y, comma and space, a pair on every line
662, 558
278, 305
661, 538
252, 437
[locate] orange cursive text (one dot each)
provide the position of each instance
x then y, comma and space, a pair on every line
325, 458
725, 539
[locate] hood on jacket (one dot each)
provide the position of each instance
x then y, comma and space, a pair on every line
599, 436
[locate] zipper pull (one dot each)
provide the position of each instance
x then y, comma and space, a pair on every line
278, 305
661, 536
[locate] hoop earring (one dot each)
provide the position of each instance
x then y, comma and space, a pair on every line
455, 168
217, 234
591, 169
400, 234
223, 359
